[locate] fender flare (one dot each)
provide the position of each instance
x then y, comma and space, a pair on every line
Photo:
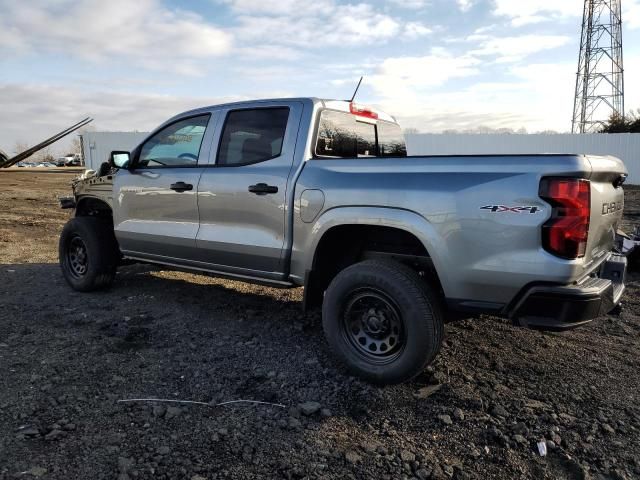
391, 217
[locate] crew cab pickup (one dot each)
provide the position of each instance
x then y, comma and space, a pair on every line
321, 194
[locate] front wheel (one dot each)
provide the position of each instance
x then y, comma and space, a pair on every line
383, 321
88, 253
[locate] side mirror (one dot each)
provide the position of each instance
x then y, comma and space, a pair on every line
120, 159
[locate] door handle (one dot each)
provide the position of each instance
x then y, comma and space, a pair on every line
263, 189
181, 187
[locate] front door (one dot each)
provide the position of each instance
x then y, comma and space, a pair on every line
156, 206
242, 199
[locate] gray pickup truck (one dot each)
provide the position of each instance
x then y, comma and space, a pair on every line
321, 194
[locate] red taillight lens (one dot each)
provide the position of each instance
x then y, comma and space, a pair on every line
566, 232
362, 111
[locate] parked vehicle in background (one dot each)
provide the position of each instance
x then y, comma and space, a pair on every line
321, 194
61, 161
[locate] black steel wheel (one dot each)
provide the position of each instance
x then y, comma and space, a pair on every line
383, 321
88, 253
76, 253
373, 324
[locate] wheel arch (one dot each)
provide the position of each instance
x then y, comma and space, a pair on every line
93, 206
346, 227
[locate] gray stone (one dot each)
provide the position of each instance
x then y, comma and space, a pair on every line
520, 439
499, 411
325, 412
54, 435
520, 428
172, 412
423, 473
407, 456
37, 471
458, 414
369, 446
164, 450
608, 428
159, 410
352, 457
309, 408
294, 423
446, 419
29, 432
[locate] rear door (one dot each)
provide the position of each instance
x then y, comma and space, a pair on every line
156, 209
242, 197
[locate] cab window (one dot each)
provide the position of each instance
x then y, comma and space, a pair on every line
176, 145
252, 135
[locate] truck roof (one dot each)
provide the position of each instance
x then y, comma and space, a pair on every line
340, 105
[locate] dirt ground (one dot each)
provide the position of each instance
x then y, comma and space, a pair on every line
495, 391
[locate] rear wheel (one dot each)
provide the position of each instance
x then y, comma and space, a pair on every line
88, 253
383, 321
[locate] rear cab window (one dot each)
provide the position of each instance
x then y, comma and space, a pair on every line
344, 135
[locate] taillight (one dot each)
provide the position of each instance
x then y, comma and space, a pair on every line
362, 111
565, 233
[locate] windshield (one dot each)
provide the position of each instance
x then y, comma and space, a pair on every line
342, 135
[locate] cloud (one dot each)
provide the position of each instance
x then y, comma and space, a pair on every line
465, 5
510, 49
631, 14
411, 4
276, 8
30, 113
406, 76
144, 31
530, 11
536, 96
523, 12
331, 26
414, 30
320, 24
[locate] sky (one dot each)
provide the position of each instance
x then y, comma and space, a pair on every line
434, 64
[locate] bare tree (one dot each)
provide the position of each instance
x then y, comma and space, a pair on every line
20, 147
75, 145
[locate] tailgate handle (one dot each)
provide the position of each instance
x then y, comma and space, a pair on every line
262, 189
181, 187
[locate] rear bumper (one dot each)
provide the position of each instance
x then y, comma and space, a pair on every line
562, 307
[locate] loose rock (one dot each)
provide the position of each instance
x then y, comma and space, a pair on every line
309, 408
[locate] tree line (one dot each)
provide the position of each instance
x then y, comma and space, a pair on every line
627, 124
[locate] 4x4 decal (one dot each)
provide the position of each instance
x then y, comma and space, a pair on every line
504, 208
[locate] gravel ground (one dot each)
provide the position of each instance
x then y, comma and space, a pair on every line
495, 391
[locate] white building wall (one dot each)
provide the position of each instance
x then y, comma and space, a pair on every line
97, 146
625, 146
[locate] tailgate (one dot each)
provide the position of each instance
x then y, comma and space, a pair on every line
607, 201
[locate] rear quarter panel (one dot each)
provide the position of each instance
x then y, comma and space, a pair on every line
479, 254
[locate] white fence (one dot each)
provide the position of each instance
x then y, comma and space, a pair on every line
625, 146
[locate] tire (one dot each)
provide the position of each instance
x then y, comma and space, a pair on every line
88, 253
383, 321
